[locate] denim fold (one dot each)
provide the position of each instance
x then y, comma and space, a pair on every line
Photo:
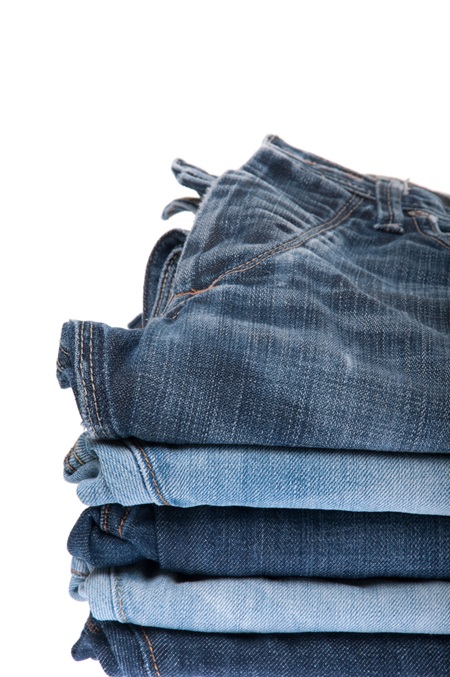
284, 317
214, 541
125, 650
145, 595
131, 472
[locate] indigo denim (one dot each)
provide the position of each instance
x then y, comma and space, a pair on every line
131, 472
126, 650
144, 595
265, 542
309, 306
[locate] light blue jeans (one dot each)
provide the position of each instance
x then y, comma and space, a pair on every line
132, 473
144, 595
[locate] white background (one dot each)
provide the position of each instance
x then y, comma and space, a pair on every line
97, 99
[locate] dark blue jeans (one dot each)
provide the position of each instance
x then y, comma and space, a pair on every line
309, 306
133, 651
216, 541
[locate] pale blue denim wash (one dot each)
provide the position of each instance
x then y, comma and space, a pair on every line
144, 595
309, 306
131, 472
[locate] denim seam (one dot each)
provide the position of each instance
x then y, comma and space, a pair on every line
119, 597
104, 520
67, 462
327, 172
79, 573
170, 265
92, 379
152, 473
74, 450
122, 521
82, 375
92, 627
420, 231
64, 351
152, 652
278, 249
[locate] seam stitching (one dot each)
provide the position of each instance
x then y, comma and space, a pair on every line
152, 652
122, 521
67, 462
92, 380
158, 491
79, 573
169, 267
82, 375
287, 246
120, 599
105, 518
419, 230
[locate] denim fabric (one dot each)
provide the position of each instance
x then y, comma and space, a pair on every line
265, 542
133, 651
308, 307
132, 473
144, 595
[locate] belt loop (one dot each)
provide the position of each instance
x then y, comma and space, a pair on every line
389, 205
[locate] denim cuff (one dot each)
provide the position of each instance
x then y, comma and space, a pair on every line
97, 362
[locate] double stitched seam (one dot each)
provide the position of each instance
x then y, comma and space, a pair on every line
119, 596
74, 450
79, 573
152, 652
67, 462
64, 351
391, 216
122, 521
296, 242
169, 267
149, 465
92, 379
82, 375
419, 230
60, 367
105, 518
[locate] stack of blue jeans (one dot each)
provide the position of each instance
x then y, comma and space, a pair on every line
266, 450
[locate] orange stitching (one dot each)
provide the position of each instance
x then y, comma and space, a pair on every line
152, 474
92, 379
169, 267
66, 460
79, 573
82, 375
120, 599
265, 254
74, 449
92, 627
413, 214
122, 521
287, 246
152, 653
105, 518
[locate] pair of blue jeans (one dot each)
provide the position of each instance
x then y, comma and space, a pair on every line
135, 651
131, 472
308, 307
145, 595
212, 541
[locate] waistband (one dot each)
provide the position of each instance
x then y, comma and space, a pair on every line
414, 197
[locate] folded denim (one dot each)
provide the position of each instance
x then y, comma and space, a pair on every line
144, 595
215, 541
130, 472
126, 650
308, 307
